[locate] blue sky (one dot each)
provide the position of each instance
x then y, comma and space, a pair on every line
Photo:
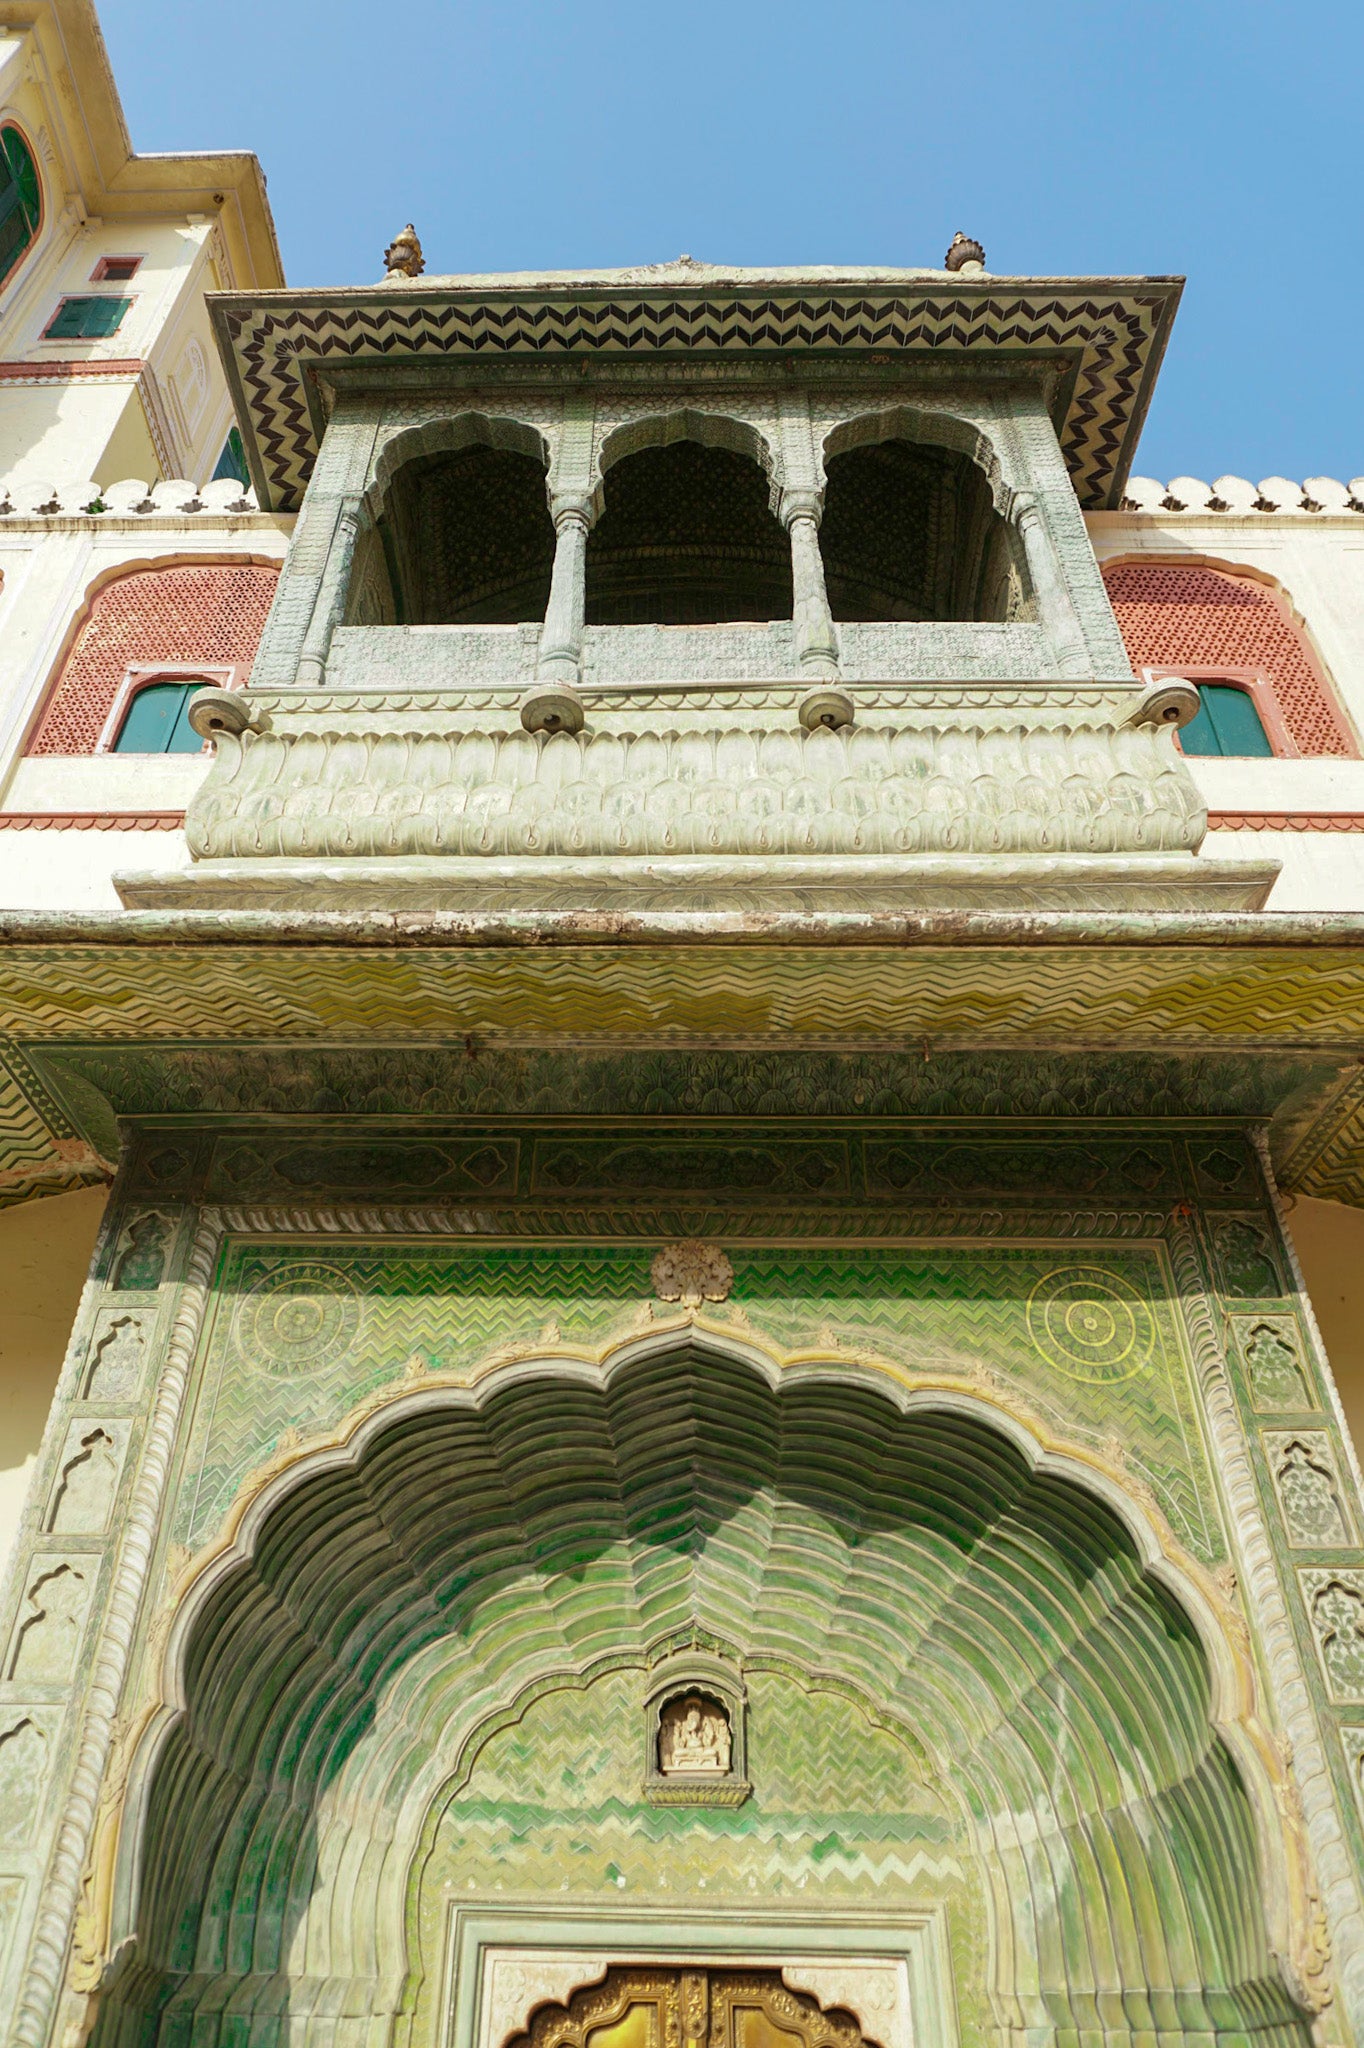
1213, 139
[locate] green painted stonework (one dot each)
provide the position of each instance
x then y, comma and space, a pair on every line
432, 1487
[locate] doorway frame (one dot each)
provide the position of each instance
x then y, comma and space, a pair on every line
910, 1946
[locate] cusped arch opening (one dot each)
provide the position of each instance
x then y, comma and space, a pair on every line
424, 1663
459, 528
687, 533
914, 526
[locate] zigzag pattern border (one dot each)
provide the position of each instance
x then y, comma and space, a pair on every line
1115, 336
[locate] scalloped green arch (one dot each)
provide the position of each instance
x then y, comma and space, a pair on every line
969, 1688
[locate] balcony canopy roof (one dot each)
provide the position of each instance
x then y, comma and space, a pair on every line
1099, 340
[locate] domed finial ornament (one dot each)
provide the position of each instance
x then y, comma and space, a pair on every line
965, 255
404, 254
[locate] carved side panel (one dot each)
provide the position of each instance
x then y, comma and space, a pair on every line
51, 1624
1271, 1355
117, 1355
87, 1480
1312, 1499
25, 1757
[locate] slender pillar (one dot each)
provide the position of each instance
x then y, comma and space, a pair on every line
816, 641
561, 636
1058, 616
330, 606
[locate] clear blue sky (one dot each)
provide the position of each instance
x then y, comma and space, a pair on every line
1221, 139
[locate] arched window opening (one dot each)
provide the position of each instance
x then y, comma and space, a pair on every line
910, 532
185, 622
21, 199
156, 720
1196, 619
1227, 723
470, 539
687, 538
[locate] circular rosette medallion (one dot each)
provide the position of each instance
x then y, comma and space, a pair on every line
1090, 1324
299, 1320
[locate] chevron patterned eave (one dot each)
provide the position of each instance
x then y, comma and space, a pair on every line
1114, 330
977, 991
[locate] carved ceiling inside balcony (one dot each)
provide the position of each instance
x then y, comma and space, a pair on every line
686, 537
470, 540
910, 532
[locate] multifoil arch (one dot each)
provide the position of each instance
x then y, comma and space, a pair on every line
1064, 1669
730, 431
939, 426
450, 435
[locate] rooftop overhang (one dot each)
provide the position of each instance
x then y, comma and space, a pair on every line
107, 177
1102, 339
236, 1017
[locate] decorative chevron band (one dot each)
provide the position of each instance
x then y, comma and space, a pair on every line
1114, 330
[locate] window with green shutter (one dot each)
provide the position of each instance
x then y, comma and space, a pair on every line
1226, 723
21, 199
86, 319
232, 461
157, 720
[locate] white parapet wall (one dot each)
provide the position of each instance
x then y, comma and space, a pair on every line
69, 822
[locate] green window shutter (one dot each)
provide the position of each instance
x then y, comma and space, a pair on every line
87, 319
1227, 723
155, 722
232, 461
21, 201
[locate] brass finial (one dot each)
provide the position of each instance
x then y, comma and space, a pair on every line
964, 254
404, 253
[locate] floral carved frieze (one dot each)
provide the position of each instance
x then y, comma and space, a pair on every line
859, 790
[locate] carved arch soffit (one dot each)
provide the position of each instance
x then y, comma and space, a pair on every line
1232, 1710
726, 430
938, 426
477, 427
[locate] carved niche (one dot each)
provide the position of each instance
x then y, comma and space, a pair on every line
694, 1733
1310, 1494
1274, 1363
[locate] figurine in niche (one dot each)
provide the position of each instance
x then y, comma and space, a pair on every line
694, 1737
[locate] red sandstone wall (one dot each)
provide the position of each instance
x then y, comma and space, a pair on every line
1171, 613
209, 612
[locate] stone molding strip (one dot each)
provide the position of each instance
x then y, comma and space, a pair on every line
70, 373
1286, 821
91, 821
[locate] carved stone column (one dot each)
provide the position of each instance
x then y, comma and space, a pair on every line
816, 641
1059, 621
561, 637
330, 606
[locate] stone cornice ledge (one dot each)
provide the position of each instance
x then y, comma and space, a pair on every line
513, 929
